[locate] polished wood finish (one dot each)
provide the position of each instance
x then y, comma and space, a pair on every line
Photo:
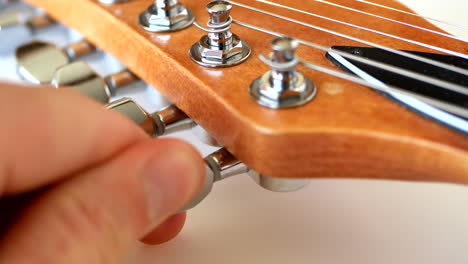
346, 131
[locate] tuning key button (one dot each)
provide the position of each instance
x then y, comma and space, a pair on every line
168, 120
166, 16
221, 165
278, 184
38, 61
5, 2
219, 47
282, 86
81, 77
16, 27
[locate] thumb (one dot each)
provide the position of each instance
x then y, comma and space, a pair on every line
95, 216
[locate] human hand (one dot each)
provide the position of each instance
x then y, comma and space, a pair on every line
79, 184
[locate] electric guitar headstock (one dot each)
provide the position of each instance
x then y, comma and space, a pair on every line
262, 79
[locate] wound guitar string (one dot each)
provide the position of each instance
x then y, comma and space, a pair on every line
461, 111
350, 77
426, 45
391, 20
365, 42
413, 14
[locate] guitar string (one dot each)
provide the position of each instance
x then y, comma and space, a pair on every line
349, 77
400, 71
412, 14
460, 111
391, 20
451, 52
365, 42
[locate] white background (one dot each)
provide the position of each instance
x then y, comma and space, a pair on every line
330, 221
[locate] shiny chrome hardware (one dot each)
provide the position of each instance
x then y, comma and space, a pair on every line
283, 86
168, 120
38, 61
222, 164
166, 16
219, 47
5, 2
81, 77
278, 184
219, 166
16, 27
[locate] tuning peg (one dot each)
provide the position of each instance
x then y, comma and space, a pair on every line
16, 27
282, 86
38, 60
220, 47
80, 76
222, 164
166, 15
169, 120
5, 2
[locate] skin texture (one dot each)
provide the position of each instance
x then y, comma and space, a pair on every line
80, 184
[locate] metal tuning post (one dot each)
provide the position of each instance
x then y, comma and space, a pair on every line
166, 16
81, 77
222, 164
219, 47
283, 86
169, 120
38, 61
16, 27
5, 2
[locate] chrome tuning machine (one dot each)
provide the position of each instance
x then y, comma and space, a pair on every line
81, 77
219, 47
169, 120
16, 27
222, 164
283, 86
38, 61
166, 16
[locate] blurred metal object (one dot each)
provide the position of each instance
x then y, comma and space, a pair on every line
5, 2
278, 184
166, 16
169, 120
81, 77
38, 61
221, 165
16, 27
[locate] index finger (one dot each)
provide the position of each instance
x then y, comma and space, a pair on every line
48, 133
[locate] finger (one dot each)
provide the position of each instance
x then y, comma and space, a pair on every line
49, 133
166, 231
95, 217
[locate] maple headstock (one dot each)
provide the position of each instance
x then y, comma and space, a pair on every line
347, 130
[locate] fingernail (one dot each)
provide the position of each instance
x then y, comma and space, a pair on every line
170, 179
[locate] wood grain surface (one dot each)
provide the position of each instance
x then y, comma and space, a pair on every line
346, 131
